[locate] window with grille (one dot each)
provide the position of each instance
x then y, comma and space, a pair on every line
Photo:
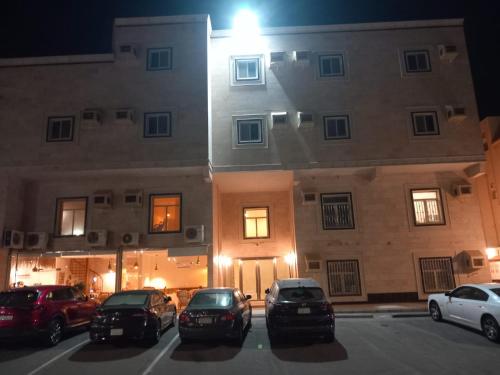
337, 211
336, 127
60, 129
417, 61
256, 222
437, 274
425, 123
343, 278
159, 59
427, 207
157, 125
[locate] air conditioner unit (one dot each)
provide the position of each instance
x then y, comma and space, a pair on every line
279, 120
130, 239
96, 238
455, 114
91, 117
102, 199
305, 120
132, 198
127, 51
277, 59
194, 233
472, 260
37, 240
124, 116
447, 52
309, 198
462, 190
301, 58
13, 239
313, 264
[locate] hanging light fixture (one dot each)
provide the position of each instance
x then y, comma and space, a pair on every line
110, 269
198, 260
156, 263
136, 265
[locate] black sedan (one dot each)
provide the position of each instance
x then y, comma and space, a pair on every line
137, 314
216, 313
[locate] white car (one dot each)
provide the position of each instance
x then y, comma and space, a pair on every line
473, 305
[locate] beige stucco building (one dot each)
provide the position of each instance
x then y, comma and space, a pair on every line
189, 157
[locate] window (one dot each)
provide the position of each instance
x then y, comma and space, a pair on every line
249, 131
256, 222
247, 69
331, 65
343, 278
425, 123
337, 211
160, 59
60, 129
437, 274
165, 213
336, 127
427, 207
157, 125
71, 213
417, 61
63, 294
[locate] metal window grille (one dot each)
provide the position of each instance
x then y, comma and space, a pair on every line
437, 274
337, 211
428, 210
343, 278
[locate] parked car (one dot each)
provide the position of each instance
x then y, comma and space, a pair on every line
43, 311
216, 313
298, 307
473, 305
135, 314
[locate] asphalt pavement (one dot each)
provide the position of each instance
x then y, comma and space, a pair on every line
378, 345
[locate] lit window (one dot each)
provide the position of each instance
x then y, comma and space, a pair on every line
71, 214
427, 207
417, 61
331, 65
60, 129
247, 69
157, 125
256, 222
337, 127
165, 213
160, 59
249, 131
425, 123
336, 210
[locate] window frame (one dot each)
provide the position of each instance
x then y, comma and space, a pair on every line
267, 222
235, 128
51, 119
321, 57
413, 52
150, 51
250, 120
148, 115
234, 78
434, 114
440, 206
325, 127
248, 59
359, 278
58, 217
151, 211
349, 194
450, 260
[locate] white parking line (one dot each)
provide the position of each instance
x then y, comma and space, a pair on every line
158, 357
38, 369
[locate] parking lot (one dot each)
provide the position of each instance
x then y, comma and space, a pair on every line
379, 345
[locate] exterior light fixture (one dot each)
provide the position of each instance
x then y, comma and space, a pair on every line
245, 24
136, 265
110, 269
491, 252
290, 258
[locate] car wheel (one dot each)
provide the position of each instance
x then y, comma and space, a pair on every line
435, 311
54, 332
174, 319
490, 328
155, 338
240, 335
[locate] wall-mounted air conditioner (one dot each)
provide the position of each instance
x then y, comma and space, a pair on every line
132, 198
313, 263
13, 239
305, 120
127, 51
124, 116
462, 190
277, 59
102, 199
472, 260
96, 238
279, 120
36, 240
447, 52
309, 198
194, 233
301, 58
91, 117
455, 114
130, 239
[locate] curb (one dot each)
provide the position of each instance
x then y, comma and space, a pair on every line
372, 314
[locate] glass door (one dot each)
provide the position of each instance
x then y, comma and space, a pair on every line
254, 276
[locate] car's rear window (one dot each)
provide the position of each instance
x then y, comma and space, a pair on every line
211, 300
126, 299
18, 298
301, 294
496, 291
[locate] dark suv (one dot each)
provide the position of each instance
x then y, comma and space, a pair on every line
43, 311
298, 307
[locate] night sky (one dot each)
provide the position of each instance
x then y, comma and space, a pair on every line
63, 27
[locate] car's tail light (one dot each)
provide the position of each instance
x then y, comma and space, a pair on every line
184, 317
229, 316
327, 306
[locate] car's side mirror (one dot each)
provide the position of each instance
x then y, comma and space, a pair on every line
267, 291
447, 294
167, 299
248, 296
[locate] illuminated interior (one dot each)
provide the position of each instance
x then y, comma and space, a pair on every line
166, 213
256, 223
71, 216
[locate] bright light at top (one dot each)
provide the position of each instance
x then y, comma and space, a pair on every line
245, 24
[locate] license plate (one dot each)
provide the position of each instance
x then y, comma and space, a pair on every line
6, 317
116, 332
205, 320
303, 310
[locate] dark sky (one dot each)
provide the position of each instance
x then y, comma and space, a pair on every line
58, 27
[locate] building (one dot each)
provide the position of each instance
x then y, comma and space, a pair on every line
191, 157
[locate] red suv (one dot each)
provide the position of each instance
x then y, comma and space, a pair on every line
43, 311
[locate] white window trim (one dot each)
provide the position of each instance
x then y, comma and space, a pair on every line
337, 139
148, 115
424, 52
264, 131
261, 80
51, 120
409, 48
345, 64
434, 114
154, 50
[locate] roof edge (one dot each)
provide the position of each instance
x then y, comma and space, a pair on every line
145, 21
55, 60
